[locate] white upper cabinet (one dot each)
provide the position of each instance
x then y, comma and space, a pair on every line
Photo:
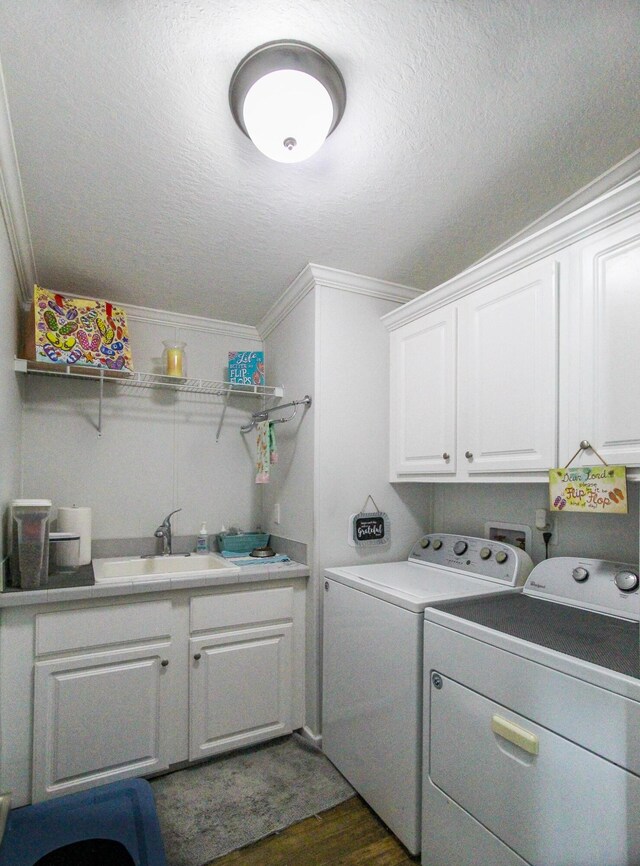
601, 338
474, 383
503, 372
508, 338
423, 395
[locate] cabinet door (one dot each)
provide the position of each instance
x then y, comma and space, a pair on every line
602, 350
423, 395
508, 373
240, 688
100, 717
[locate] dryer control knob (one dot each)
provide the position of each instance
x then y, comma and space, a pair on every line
425, 542
626, 581
580, 574
485, 553
437, 544
459, 547
501, 556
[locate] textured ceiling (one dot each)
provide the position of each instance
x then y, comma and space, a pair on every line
465, 120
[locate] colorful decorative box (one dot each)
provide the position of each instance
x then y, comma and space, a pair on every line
80, 331
246, 368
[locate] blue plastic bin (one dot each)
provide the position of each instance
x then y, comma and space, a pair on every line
124, 812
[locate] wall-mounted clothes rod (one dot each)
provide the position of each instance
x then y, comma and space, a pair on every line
263, 415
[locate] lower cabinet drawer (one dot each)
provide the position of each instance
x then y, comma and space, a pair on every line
81, 628
237, 609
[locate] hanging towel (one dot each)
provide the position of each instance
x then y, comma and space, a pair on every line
263, 462
273, 451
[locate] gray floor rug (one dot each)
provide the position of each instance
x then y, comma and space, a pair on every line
229, 802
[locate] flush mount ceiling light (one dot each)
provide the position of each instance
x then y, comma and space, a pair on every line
287, 97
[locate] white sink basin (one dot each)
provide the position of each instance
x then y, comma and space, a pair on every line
146, 568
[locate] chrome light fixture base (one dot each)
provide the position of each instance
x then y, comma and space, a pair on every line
289, 54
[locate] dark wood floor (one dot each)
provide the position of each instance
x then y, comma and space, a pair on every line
348, 835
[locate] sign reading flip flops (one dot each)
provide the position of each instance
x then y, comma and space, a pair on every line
589, 489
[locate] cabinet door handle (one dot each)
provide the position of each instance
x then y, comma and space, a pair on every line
445, 456
197, 656
468, 455
164, 662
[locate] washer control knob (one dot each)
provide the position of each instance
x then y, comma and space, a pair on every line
437, 544
579, 574
459, 547
425, 542
485, 553
501, 556
626, 581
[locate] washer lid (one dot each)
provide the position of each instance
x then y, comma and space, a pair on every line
410, 585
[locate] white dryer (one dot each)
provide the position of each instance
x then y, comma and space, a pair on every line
373, 662
532, 722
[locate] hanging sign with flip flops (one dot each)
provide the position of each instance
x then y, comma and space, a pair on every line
588, 489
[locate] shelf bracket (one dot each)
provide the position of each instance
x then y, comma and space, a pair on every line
224, 412
99, 427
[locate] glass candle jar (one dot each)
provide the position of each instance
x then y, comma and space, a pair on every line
173, 359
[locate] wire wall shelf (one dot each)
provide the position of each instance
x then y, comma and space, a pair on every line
147, 380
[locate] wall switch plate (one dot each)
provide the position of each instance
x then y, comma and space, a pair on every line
276, 513
517, 534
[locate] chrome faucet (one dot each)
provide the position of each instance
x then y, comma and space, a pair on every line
164, 532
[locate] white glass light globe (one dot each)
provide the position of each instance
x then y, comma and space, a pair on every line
288, 115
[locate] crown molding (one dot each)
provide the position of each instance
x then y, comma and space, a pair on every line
190, 323
315, 276
12, 203
623, 171
287, 301
620, 202
345, 281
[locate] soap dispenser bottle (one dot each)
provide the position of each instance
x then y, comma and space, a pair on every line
202, 545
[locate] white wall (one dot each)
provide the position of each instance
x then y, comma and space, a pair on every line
10, 403
332, 345
158, 449
464, 508
352, 453
290, 361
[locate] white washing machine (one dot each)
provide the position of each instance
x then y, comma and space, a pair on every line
373, 660
532, 722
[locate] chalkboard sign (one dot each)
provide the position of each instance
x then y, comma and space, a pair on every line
370, 528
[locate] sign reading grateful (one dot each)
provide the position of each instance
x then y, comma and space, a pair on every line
370, 528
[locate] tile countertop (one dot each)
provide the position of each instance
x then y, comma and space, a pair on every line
247, 574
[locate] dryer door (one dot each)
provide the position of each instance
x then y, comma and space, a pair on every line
548, 799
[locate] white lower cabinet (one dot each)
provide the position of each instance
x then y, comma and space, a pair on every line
253, 666
241, 669
92, 692
99, 717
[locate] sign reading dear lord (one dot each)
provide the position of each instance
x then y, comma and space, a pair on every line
589, 489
